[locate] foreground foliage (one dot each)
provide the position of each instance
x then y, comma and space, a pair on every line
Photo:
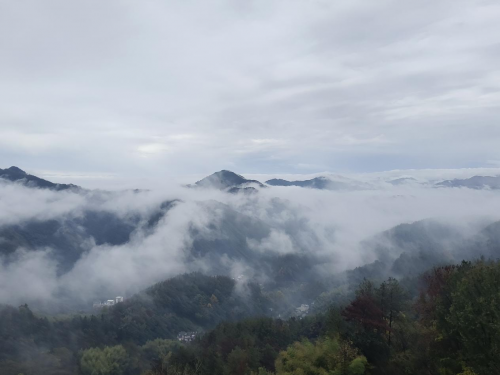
327, 356
446, 322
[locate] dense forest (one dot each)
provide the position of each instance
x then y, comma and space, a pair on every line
446, 321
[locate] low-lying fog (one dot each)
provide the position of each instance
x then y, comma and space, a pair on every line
200, 229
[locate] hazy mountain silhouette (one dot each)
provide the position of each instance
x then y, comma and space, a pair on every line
15, 174
314, 183
476, 182
230, 182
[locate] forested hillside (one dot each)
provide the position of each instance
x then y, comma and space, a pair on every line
31, 344
443, 322
450, 326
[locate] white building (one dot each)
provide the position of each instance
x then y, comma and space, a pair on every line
186, 336
302, 310
109, 302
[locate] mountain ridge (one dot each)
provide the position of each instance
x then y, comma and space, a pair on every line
16, 174
229, 181
320, 183
474, 182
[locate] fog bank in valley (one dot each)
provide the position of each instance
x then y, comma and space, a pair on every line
179, 229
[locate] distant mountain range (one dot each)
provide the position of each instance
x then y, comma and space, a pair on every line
230, 182
234, 183
237, 237
326, 183
15, 174
227, 239
402, 181
476, 182
315, 183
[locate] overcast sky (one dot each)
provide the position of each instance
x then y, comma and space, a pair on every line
166, 87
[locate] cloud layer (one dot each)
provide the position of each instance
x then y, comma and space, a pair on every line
171, 88
332, 225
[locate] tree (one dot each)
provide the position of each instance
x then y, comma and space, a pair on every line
460, 308
391, 299
473, 316
107, 361
157, 351
365, 311
237, 362
327, 356
214, 300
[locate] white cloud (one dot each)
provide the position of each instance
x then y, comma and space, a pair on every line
152, 148
277, 242
267, 85
329, 223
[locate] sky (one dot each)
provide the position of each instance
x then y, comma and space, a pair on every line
108, 89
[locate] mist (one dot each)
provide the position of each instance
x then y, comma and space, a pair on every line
190, 233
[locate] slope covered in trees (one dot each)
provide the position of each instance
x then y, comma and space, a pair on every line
449, 327
444, 322
191, 302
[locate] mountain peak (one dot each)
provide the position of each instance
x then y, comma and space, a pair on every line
228, 174
14, 168
225, 179
15, 172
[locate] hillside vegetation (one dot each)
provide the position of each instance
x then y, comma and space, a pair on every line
446, 321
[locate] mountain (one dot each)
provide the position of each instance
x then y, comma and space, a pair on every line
402, 181
70, 236
407, 250
230, 182
485, 244
191, 302
476, 182
234, 238
280, 182
315, 183
229, 239
15, 174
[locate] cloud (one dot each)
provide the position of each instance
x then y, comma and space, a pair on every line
277, 221
18, 203
32, 277
278, 242
123, 94
152, 148
348, 85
